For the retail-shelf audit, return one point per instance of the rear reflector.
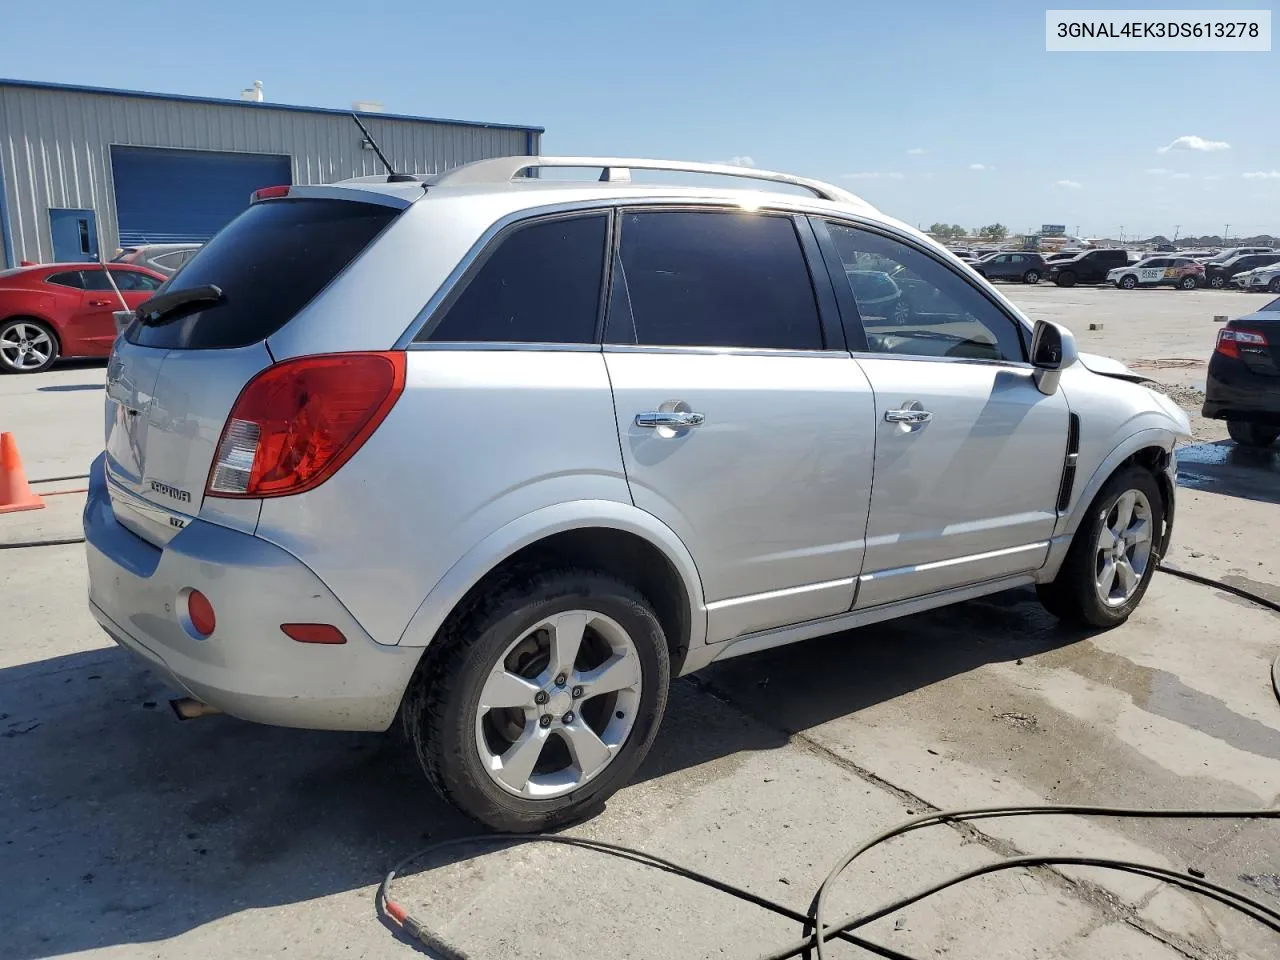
(297, 422)
(269, 193)
(200, 613)
(1231, 340)
(313, 632)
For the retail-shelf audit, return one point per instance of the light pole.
(1224, 234)
(1176, 228)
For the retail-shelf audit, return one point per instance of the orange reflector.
(200, 611)
(313, 632)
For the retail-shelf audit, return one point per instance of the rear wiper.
(169, 306)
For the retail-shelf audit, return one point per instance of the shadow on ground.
(120, 825)
(1228, 468)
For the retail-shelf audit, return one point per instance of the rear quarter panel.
(479, 439)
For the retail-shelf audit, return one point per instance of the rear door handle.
(908, 416)
(677, 419)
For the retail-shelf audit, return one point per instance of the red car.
(64, 309)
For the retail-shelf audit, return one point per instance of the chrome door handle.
(908, 416)
(677, 419)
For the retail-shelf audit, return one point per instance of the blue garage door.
(184, 196)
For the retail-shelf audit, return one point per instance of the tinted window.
(713, 279)
(131, 280)
(71, 279)
(1158, 262)
(935, 312)
(269, 263)
(540, 285)
(171, 260)
(95, 279)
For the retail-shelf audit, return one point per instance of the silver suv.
(501, 455)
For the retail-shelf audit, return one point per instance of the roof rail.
(618, 169)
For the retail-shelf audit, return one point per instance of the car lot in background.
(1180, 272)
(1243, 385)
(1259, 280)
(1026, 267)
(164, 258)
(64, 310)
(1219, 273)
(1091, 266)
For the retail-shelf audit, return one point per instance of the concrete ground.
(126, 834)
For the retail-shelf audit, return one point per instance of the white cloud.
(1213, 176)
(1158, 171)
(1192, 142)
(1069, 184)
(1263, 175)
(1179, 176)
(874, 175)
(980, 166)
(915, 151)
(743, 161)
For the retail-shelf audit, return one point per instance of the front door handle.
(99, 303)
(908, 415)
(676, 419)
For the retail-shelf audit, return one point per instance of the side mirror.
(1053, 349)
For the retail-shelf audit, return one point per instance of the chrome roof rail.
(618, 169)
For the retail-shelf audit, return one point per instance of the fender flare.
(544, 522)
(1149, 437)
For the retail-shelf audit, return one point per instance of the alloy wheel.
(558, 705)
(25, 346)
(1123, 549)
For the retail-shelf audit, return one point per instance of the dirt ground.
(125, 834)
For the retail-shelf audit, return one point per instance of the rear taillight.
(297, 422)
(1230, 341)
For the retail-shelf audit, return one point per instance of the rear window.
(269, 263)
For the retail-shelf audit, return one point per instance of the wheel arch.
(616, 538)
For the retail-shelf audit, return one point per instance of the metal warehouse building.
(85, 169)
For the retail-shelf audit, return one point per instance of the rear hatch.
(173, 378)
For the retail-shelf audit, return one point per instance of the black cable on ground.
(843, 929)
(22, 544)
(1219, 585)
(74, 476)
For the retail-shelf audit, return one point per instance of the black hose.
(22, 544)
(1219, 585)
(74, 476)
(843, 929)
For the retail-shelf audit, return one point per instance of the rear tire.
(1249, 434)
(591, 745)
(1188, 283)
(1081, 594)
(1031, 276)
(1274, 286)
(1066, 279)
(27, 345)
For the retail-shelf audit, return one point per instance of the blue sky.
(839, 90)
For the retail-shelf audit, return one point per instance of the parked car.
(1060, 255)
(1181, 272)
(164, 258)
(1220, 275)
(64, 310)
(1092, 266)
(1226, 255)
(1197, 254)
(1022, 267)
(1259, 279)
(497, 506)
(1244, 378)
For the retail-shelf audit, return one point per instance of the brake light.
(1229, 341)
(297, 422)
(269, 193)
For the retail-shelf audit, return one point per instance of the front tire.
(1249, 434)
(1066, 279)
(1128, 281)
(27, 346)
(540, 699)
(1112, 556)
(1031, 276)
(1217, 281)
(1274, 285)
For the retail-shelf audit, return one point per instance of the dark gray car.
(1024, 267)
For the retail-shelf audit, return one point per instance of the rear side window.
(70, 279)
(269, 263)
(711, 279)
(541, 284)
(133, 280)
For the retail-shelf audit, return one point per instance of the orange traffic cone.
(15, 494)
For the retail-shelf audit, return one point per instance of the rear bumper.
(1233, 391)
(247, 667)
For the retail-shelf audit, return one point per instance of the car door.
(999, 269)
(745, 425)
(969, 453)
(94, 322)
(1153, 271)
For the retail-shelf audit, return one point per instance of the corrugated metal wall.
(55, 148)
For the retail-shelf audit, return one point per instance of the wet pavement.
(1233, 470)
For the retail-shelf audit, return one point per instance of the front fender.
(538, 525)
